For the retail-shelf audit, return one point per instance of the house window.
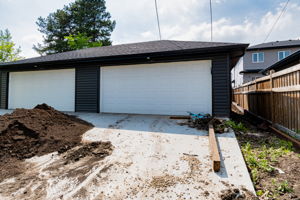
(283, 54)
(258, 57)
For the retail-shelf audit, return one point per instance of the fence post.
(255, 110)
(272, 97)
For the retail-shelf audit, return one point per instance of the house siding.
(87, 89)
(87, 85)
(221, 86)
(3, 89)
(271, 57)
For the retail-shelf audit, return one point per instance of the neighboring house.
(285, 63)
(158, 77)
(261, 56)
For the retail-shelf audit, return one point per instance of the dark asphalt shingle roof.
(125, 49)
(276, 44)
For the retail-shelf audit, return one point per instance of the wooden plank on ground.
(214, 150)
(238, 109)
(295, 141)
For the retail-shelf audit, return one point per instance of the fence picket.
(275, 97)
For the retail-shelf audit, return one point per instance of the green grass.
(236, 126)
(260, 156)
(278, 189)
(256, 161)
(284, 187)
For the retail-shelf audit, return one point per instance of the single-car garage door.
(54, 87)
(164, 88)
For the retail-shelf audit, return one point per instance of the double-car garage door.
(164, 88)
(167, 89)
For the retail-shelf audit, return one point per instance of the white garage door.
(54, 87)
(164, 88)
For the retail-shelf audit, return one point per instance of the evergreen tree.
(87, 18)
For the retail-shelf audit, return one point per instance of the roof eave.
(274, 47)
(219, 49)
(250, 71)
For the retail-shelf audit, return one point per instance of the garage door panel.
(54, 87)
(165, 88)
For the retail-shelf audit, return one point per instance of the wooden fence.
(275, 97)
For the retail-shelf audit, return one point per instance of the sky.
(245, 21)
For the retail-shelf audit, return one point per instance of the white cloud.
(28, 41)
(178, 23)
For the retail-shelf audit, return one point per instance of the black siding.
(221, 86)
(3, 89)
(87, 89)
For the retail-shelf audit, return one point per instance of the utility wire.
(282, 12)
(157, 18)
(211, 22)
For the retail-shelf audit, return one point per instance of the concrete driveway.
(153, 158)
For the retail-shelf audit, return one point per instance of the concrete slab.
(154, 158)
(3, 111)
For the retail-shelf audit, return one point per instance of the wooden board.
(214, 150)
(295, 141)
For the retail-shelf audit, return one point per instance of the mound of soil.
(203, 123)
(29, 132)
(231, 194)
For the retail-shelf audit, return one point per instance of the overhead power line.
(211, 22)
(157, 18)
(282, 12)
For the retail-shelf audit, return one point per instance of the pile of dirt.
(203, 123)
(98, 150)
(231, 194)
(29, 132)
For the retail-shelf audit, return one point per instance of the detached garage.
(158, 77)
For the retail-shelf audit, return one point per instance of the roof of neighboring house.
(250, 71)
(160, 47)
(275, 45)
(284, 63)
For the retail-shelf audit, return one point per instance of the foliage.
(81, 41)
(260, 156)
(284, 187)
(87, 17)
(255, 162)
(236, 126)
(260, 159)
(8, 50)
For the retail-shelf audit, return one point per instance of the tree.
(81, 41)
(86, 17)
(8, 51)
